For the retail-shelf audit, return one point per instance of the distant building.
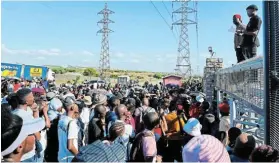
(172, 80)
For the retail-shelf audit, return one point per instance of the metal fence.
(244, 87)
(271, 67)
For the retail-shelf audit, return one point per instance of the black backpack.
(136, 152)
(51, 152)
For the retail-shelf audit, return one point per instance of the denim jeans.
(32, 159)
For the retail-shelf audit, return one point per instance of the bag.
(142, 114)
(100, 152)
(136, 152)
(51, 152)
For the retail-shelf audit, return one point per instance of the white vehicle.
(123, 80)
(50, 75)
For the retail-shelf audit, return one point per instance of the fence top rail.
(253, 63)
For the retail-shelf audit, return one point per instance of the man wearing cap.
(238, 37)
(68, 132)
(17, 135)
(250, 37)
(225, 123)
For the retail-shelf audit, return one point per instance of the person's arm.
(72, 134)
(71, 147)
(45, 110)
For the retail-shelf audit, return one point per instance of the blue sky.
(64, 33)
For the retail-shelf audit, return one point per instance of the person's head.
(264, 153)
(166, 103)
(145, 101)
(244, 145)
(121, 111)
(151, 120)
(71, 107)
(100, 111)
(17, 134)
(116, 130)
(224, 108)
(115, 101)
(205, 148)
(100, 99)
(235, 18)
(252, 10)
(25, 97)
(193, 127)
(130, 103)
(233, 133)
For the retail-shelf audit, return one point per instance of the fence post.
(232, 111)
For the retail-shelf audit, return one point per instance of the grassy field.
(72, 73)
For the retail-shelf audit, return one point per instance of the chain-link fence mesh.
(272, 57)
(243, 84)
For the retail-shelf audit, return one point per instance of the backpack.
(136, 152)
(140, 125)
(51, 152)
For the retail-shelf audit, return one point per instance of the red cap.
(237, 16)
(224, 107)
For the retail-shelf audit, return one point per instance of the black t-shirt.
(253, 25)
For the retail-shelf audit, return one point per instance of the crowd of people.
(100, 123)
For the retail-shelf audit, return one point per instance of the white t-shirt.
(224, 124)
(84, 115)
(25, 115)
(64, 155)
(43, 141)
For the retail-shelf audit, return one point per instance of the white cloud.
(48, 52)
(40, 58)
(134, 61)
(119, 55)
(86, 61)
(85, 52)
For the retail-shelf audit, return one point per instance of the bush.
(90, 72)
(158, 76)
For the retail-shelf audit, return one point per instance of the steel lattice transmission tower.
(104, 64)
(183, 65)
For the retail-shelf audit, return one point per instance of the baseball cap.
(224, 107)
(68, 101)
(193, 127)
(253, 7)
(50, 95)
(28, 127)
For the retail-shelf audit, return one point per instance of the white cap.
(200, 99)
(29, 126)
(193, 127)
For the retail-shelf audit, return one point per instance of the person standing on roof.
(250, 37)
(238, 37)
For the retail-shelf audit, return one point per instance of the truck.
(123, 80)
(27, 72)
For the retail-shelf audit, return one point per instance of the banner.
(10, 70)
(31, 72)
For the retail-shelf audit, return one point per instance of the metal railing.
(244, 85)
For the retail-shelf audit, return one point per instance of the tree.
(90, 72)
(158, 76)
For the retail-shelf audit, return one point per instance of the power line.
(167, 8)
(164, 20)
(160, 14)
